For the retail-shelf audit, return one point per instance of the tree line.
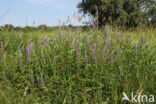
(129, 13)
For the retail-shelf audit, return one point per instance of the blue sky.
(22, 12)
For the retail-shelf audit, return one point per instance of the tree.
(129, 13)
(8, 27)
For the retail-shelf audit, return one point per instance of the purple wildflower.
(135, 48)
(86, 58)
(105, 31)
(47, 41)
(41, 79)
(112, 56)
(28, 54)
(30, 47)
(106, 47)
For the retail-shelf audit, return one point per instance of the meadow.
(72, 66)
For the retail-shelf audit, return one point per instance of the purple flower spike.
(118, 37)
(30, 47)
(106, 47)
(47, 41)
(112, 56)
(41, 79)
(86, 58)
(32, 79)
(135, 48)
(105, 31)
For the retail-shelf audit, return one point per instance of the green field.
(67, 66)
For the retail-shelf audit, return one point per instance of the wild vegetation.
(71, 66)
(112, 55)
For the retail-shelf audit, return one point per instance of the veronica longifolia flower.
(106, 47)
(41, 79)
(30, 47)
(46, 41)
(28, 54)
(112, 56)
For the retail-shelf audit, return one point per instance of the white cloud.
(58, 4)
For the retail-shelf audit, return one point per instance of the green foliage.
(130, 13)
(67, 79)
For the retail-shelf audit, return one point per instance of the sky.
(37, 12)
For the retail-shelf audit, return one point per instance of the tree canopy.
(129, 13)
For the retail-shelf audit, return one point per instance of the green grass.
(67, 79)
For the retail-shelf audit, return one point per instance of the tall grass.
(76, 67)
